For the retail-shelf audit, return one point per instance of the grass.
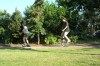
(50, 57)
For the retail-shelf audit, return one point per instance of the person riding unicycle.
(65, 30)
(25, 36)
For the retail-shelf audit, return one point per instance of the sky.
(10, 5)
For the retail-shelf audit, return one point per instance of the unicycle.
(64, 42)
(25, 44)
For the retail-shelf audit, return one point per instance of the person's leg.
(62, 38)
(24, 42)
(27, 41)
(23, 39)
(62, 35)
(65, 35)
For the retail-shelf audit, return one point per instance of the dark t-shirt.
(64, 25)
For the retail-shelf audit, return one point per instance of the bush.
(74, 39)
(51, 39)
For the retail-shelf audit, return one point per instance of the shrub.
(74, 39)
(51, 39)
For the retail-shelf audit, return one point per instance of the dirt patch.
(34, 46)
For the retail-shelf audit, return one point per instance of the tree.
(4, 23)
(52, 22)
(89, 11)
(35, 17)
(15, 25)
(71, 12)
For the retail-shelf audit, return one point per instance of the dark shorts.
(26, 35)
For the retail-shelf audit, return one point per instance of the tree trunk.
(38, 38)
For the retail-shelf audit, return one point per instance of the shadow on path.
(20, 48)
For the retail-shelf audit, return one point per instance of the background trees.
(34, 15)
(15, 26)
(4, 23)
(82, 15)
(44, 20)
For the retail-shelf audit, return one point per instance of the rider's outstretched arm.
(64, 28)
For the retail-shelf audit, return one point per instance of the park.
(58, 33)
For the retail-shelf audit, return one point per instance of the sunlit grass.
(50, 57)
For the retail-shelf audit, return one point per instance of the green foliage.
(51, 39)
(35, 16)
(52, 18)
(15, 26)
(4, 23)
(2, 30)
(82, 15)
(74, 39)
(44, 18)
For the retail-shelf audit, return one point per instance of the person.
(25, 36)
(65, 30)
(97, 34)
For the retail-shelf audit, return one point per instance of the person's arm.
(66, 26)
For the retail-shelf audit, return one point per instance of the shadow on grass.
(21, 48)
(84, 51)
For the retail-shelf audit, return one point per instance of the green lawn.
(50, 57)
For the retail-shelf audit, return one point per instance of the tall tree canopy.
(44, 20)
(35, 17)
(4, 23)
(15, 25)
(82, 12)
